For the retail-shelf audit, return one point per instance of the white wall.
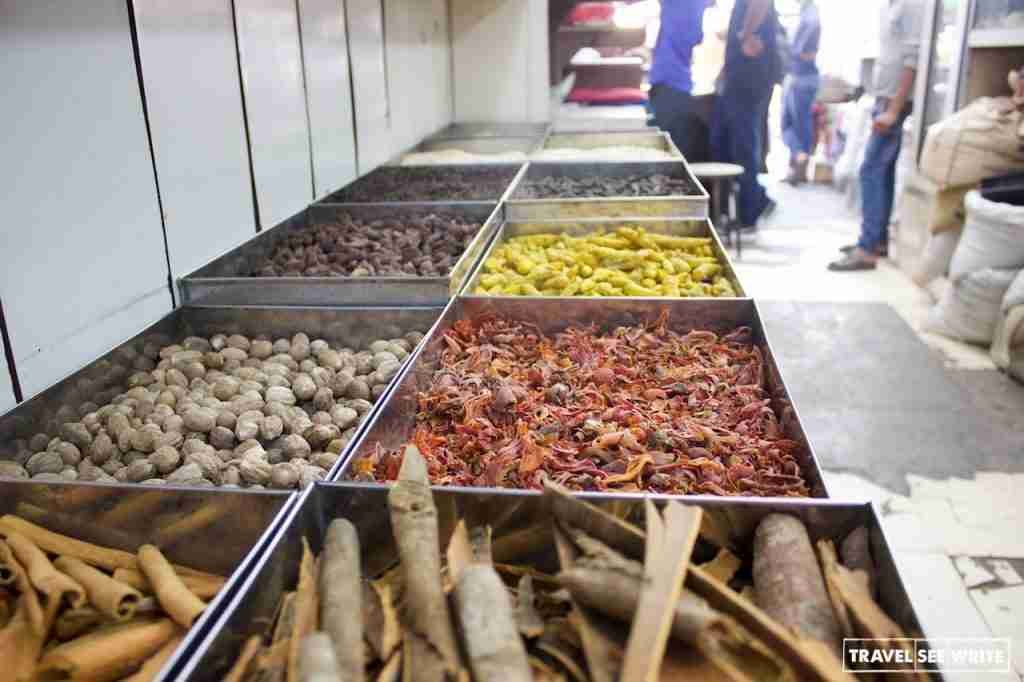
(83, 254)
(275, 100)
(84, 260)
(365, 20)
(6, 389)
(419, 70)
(197, 125)
(500, 53)
(328, 93)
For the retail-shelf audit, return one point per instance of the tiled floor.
(957, 540)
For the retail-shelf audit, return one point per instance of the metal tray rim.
(466, 262)
(816, 479)
(670, 145)
(326, 200)
(474, 277)
(866, 511)
(237, 587)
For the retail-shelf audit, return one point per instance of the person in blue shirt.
(748, 78)
(800, 91)
(682, 29)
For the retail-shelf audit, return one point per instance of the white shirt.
(900, 44)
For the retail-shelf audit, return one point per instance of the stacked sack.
(987, 289)
(1008, 344)
(982, 140)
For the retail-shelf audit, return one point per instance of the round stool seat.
(716, 170)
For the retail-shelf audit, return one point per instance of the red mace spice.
(639, 409)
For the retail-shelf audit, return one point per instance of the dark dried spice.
(425, 245)
(639, 408)
(447, 183)
(555, 187)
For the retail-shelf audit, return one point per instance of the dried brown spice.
(639, 185)
(643, 408)
(428, 183)
(425, 245)
(581, 621)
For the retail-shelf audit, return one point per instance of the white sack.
(935, 259)
(993, 237)
(969, 310)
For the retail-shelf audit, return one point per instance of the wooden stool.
(722, 178)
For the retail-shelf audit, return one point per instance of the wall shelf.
(996, 37)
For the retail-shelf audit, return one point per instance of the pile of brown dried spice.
(641, 408)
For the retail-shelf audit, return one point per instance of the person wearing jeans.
(893, 84)
(800, 91)
(682, 28)
(748, 79)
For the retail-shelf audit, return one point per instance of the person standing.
(682, 29)
(748, 79)
(800, 90)
(893, 85)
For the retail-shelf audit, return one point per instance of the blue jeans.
(798, 115)
(673, 113)
(736, 138)
(878, 181)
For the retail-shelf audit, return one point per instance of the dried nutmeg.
(558, 393)
(504, 398)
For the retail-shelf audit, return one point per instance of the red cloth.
(591, 13)
(607, 96)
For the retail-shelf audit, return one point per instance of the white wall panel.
(328, 93)
(419, 69)
(198, 129)
(365, 20)
(268, 40)
(6, 388)
(81, 237)
(500, 60)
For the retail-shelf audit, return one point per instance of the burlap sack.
(983, 139)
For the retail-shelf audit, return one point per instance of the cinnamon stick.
(492, 641)
(788, 582)
(177, 600)
(108, 654)
(155, 663)
(203, 586)
(53, 584)
(114, 599)
(341, 598)
(305, 611)
(249, 650)
(430, 649)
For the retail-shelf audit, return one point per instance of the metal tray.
(651, 140)
(223, 281)
(512, 170)
(101, 380)
(595, 208)
(602, 125)
(468, 129)
(681, 228)
(254, 605)
(394, 420)
(475, 145)
(184, 523)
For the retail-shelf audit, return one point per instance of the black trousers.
(674, 113)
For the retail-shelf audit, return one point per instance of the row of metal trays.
(251, 544)
(598, 147)
(165, 439)
(58, 431)
(235, 278)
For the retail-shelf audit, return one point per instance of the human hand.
(884, 122)
(752, 46)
